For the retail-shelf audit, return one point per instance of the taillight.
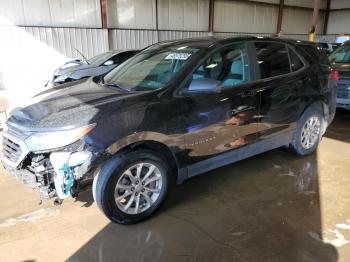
(335, 75)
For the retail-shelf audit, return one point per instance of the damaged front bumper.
(57, 173)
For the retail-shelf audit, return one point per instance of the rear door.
(281, 76)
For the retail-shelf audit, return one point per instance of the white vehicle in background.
(98, 65)
(340, 60)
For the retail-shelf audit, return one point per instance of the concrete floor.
(272, 207)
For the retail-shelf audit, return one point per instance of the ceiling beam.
(103, 4)
(211, 16)
(326, 18)
(280, 16)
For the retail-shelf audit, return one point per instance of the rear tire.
(308, 133)
(130, 187)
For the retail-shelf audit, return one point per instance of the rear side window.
(273, 59)
(295, 62)
(313, 52)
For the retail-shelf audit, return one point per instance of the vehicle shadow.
(340, 127)
(266, 208)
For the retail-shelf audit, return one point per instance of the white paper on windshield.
(178, 56)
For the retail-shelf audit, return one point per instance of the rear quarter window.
(314, 53)
(272, 58)
(295, 62)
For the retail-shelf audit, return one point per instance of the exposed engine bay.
(59, 174)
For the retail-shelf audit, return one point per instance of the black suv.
(175, 110)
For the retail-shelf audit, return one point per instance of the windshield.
(151, 69)
(98, 59)
(341, 55)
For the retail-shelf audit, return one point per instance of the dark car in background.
(96, 66)
(175, 110)
(340, 60)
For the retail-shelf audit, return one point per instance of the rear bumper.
(343, 93)
(343, 103)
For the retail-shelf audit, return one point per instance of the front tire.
(308, 133)
(130, 187)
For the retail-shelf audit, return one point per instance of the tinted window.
(273, 59)
(229, 66)
(295, 61)
(120, 58)
(342, 55)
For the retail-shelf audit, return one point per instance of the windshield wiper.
(115, 85)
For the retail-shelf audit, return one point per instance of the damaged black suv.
(175, 110)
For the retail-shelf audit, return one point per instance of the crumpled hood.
(72, 67)
(69, 106)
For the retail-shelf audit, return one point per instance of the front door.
(223, 119)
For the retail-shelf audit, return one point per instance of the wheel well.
(162, 151)
(322, 106)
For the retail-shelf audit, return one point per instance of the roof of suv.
(212, 40)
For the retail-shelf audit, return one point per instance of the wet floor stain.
(30, 217)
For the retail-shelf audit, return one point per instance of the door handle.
(249, 93)
(253, 92)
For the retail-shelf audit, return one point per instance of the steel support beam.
(103, 4)
(280, 16)
(211, 17)
(326, 18)
(157, 26)
(315, 15)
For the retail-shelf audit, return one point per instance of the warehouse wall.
(37, 36)
(51, 13)
(298, 21)
(135, 14)
(244, 17)
(339, 19)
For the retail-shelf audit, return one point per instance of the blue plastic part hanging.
(68, 178)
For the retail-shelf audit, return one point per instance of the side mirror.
(108, 63)
(205, 85)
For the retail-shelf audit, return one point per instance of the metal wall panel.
(224, 34)
(136, 14)
(89, 41)
(121, 39)
(244, 17)
(339, 22)
(305, 3)
(298, 21)
(191, 15)
(173, 35)
(51, 13)
(338, 4)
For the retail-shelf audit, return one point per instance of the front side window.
(341, 55)
(151, 69)
(228, 66)
(273, 59)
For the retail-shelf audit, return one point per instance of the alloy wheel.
(138, 188)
